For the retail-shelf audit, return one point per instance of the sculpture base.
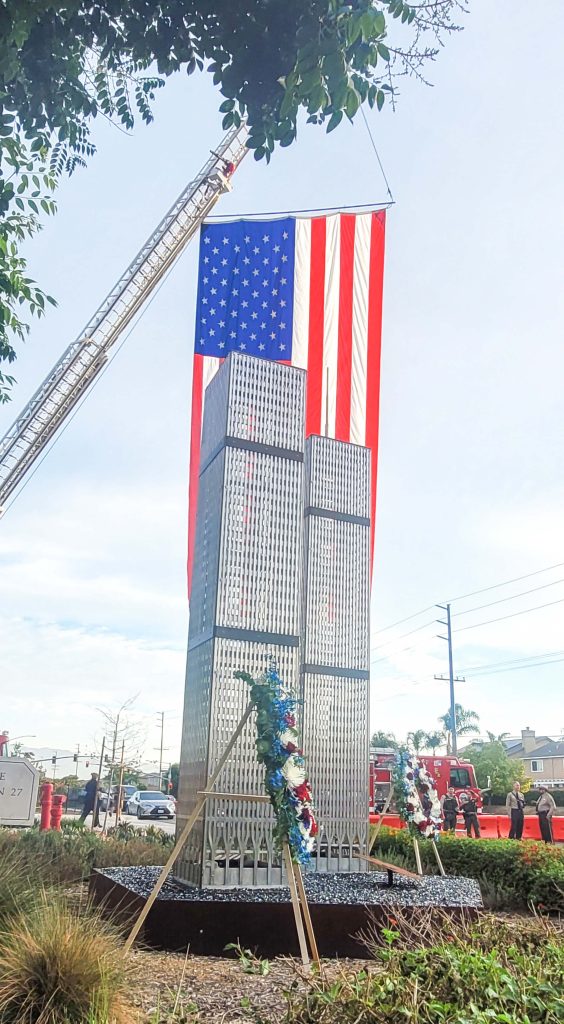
(207, 920)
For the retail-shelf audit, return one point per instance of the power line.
(514, 661)
(407, 619)
(512, 597)
(524, 611)
(517, 579)
(517, 668)
(395, 639)
(474, 593)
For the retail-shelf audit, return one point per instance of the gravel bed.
(338, 889)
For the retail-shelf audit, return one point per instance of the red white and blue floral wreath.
(416, 796)
(285, 777)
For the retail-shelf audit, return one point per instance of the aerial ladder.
(86, 357)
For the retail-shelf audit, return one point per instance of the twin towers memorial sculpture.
(281, 576)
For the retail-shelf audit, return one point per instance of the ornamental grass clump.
(61, 967)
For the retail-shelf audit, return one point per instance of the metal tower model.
(245, 606)
(335, 646)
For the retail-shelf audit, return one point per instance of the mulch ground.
(208, 989)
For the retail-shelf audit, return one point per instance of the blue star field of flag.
(246, 289)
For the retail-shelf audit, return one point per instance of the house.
(542, 757)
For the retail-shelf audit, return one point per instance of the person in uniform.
(515, 805)
(90, 800)
(545, 808)
(469, 809)
(450, 808)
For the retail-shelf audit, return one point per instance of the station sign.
(19, 783)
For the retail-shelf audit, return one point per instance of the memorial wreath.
(416, 797)
(285, 777)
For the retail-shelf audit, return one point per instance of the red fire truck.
(446, 771)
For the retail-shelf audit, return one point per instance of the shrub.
(516, 875)
(18, 882)
(475, 975)
(70, 855)
(60, 968)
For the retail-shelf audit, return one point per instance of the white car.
(150, 804)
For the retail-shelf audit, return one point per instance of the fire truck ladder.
(79, 366)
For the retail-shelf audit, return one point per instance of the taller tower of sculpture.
(245, 606)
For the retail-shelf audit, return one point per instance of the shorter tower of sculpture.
(335, 646)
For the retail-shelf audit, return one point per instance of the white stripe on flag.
(302, 266)
(211, 366)
(361, 283)
(331, 333)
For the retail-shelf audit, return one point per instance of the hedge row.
(531, 797)
(512, 875)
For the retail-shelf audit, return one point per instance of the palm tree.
(384, 739)
(492, 738)
(434, 740)
(466, 722)
(417, 740)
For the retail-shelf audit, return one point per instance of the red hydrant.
(46, 801)
(57, 811)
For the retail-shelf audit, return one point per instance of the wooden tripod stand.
(300, 905)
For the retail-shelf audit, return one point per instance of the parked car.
(102, 800)
(151, 804)
(127, 791)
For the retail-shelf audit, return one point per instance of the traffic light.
(87, 763)
(75, 758)
(54, 759)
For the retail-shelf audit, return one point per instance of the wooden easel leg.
(296, 905)
(438, 858)
(417, 857)
(180, 843)
(307, 915)
(379, 825)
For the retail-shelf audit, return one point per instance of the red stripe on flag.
(344, 354)
(376, 286)
(316, 326)
(195, 441)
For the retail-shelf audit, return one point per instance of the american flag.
(306, 291)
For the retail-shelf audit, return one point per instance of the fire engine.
(446, 770)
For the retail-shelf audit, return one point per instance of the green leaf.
(380, 98)
(383, 51)
(334, 120)
(352, 103)
(226, 106)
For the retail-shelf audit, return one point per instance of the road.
(167, 826)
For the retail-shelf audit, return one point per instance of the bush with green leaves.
(483, 972)
(511, 874)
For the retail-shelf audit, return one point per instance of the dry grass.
(60, 967)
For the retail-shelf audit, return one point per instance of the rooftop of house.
(554, 748)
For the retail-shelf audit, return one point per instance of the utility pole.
(451, 678)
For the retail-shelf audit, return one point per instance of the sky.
(93, 606)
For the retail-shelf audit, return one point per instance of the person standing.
(90, 800)
(469, 809)
(515, 805)
(450, 809)
(545, 808)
